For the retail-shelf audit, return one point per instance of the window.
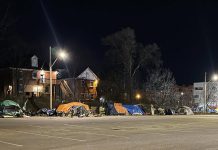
(42, 78)
(196, 96)
(198, 88)
(47, 89)
(83, 82)
(91, 84)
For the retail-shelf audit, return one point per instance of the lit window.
(91, 84)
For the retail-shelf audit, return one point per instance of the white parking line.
(85, 127)
(111, 135)
(45, 135)
(11, 143)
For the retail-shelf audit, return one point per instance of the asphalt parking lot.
(114, 132)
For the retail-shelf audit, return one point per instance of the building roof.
(88, 74)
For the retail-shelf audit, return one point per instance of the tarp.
(7, 103)
(134, 110)
(185, 110)
(66, 107)
(120, 109)
(11, 108)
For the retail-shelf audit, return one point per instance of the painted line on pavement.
(45, 135)
(18, 145)
(111, 135)
(106, 129)
(85, 127)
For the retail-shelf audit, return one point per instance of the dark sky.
(186, 32)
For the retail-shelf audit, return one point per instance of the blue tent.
(134, 109)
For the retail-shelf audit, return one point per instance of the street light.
(214, 78)
(138, 96)
(61, 55)
(182, 93)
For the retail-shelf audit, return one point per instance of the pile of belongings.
(134, 109)
(46, 112)
(170, 111)
(73, 109)
(9, 108)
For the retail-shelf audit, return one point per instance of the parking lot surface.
(110, 133)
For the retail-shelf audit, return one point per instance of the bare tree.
(130, 55)
(160, 88)
(212, 95)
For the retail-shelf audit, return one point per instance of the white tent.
(185, 110)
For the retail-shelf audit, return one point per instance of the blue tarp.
(134, 109)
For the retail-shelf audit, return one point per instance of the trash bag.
(42, 111)
(51, 112)
(169, 111)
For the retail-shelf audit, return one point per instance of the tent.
(6, 103)
(120, 109)
(10, 108)
(185, 110)
(65, 108)
(134, 110)
(110, 109)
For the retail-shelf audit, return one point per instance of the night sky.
(186, 32)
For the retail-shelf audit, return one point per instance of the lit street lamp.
(138, 96)
(61, 55)
(214, 78)
(182, 93)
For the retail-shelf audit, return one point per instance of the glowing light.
(42, 72)
(37, 89)
(138, 96)
(62, 54)
(215, 77)
(96, 82)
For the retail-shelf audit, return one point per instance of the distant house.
(81, 88)
(35, 83)
(87, 83)
(27, 82)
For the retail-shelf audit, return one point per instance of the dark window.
(198, 88)
(196, 96)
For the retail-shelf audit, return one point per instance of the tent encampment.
(134, 110)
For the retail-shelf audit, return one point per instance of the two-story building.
(27, 82)
(211, 92)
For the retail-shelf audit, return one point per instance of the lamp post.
(205, 91)
(214, 78)
(61, 54)
(182, 93)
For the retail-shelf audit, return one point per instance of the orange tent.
(66, 107)
(120, 109)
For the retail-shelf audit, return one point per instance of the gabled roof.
(88, 74)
